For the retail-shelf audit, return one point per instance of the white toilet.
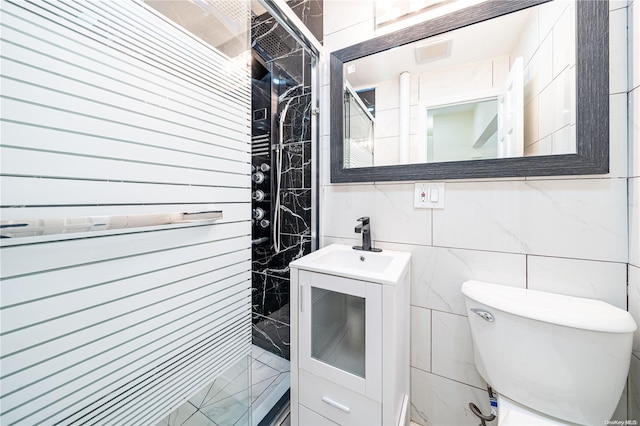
(553, 359)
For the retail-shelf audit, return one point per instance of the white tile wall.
(618, 51)
(634, 304)
(563, 39)
(618, 135)
(583, 278)
(572, 235)
(386, 151)
(634, 46)
(441, 401)
(345, 14)
(547, 217)
(387, 95)
(381, 202)
(387, 123)
(421, 338)
(452, 350)
(634, 389)
(634, 132)
(553, 12)
(634, 221)
(617, 4)
(438, 274)
(633, 20)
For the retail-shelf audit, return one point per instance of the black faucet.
(365, 229)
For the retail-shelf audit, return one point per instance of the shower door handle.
(17, 228)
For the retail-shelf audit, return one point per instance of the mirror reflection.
(500, 88)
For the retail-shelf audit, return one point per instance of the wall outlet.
(429, 195)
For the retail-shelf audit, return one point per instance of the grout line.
(431, 345)
(448, 378)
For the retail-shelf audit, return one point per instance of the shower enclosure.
(284, 145)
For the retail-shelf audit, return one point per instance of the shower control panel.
(261, 182)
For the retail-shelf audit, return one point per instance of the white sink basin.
(386, 267)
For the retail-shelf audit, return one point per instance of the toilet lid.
(511, 413)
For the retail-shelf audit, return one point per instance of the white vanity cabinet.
(350, 339)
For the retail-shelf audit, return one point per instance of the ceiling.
(489, 39)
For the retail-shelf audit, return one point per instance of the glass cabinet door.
(337, 330)
(340, 331)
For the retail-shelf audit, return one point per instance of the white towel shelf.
(34, 227)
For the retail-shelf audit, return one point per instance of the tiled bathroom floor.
(225, 401)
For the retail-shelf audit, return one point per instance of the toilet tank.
(566, 357)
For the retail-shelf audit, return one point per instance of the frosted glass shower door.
(340, 331)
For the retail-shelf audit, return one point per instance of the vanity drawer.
(311, 418)
(336, 403)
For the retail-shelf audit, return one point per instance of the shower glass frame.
(288, 21)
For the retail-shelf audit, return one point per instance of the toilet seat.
(510, 413)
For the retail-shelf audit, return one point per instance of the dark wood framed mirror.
(591, 100)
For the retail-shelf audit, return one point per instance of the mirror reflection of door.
(464, 130)
(461, 65)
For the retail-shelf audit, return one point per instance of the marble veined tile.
(576, 218)
(387, 123)
(279, 364)
(421, 338)
(438, 273)
(634, 127)
(272, 334)
(618, 149)
(634, 51)
(228, 396)
(564, 41)
(348, 36)
(228, 410)
(310, 12)
(634, 388)
(343, 205)
(179, 416)
(452, 351)
(551, 13)
(634, 220)
(390, 207)
(617, 4)
(436, 400)
(266, 397)
(634, 306)
(343, 14)
(618, 51)
(261, 372)
(606, 281)
(187, 415)
(397, 220)
(387, 96)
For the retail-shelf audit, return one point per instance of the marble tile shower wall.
(291, 69)
(310, 13)
(576, 235)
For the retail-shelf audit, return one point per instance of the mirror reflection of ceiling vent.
(433, 51)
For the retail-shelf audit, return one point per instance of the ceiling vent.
(433, 51)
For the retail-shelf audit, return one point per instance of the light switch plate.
(429, 195)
